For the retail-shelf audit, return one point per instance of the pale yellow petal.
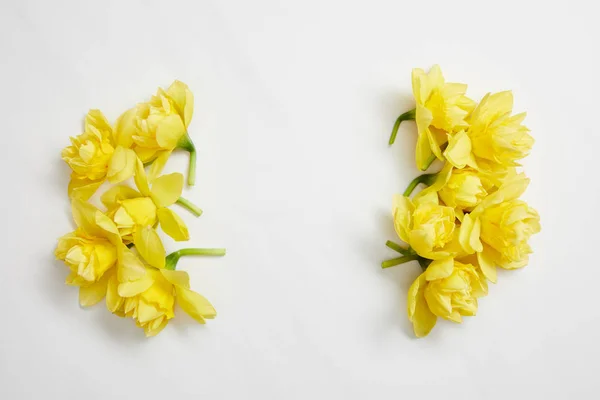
(113, 196)
(141, 181)
(458, 152)
(487, 264)
(113, 300)
(158, 164)
(169, 130)
(93, 293)
(121, 165)
(195, 304)
(125, 128)
(419, 314)
(173, 225)
(83, 188)
(166, 189)
(439, 269)
(149, 246)
(141, 210)
(402, 210)
(184, 100)
(177, 278)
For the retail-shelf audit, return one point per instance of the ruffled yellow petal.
(458, 152)
(469, 233)
(149, 246)
(172, 225)
(194, 304)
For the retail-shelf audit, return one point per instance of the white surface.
(294, 105)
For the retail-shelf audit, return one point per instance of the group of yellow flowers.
(117, 254)
(469, 220)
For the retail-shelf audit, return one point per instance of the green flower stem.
(397, 261)
(191, 207)
(186, 144)
(426, 179)
(172, 259)
(407, 116)
(432, 157)
(396, 247)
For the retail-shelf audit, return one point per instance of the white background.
(294, 106)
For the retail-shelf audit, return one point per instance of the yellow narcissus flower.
(499, 228)
(447, 289)
(160, 125)
(464, 189)
(441, 109)
(495, 140)
(96, 155)
(427, 226)
(131, 210)
(90, 251)
(153, 307)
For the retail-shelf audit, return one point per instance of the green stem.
(426, 179)
(407, 116)
(191, 207)
(172, 259)
(397, 261)
(186, 144)
(396, 247)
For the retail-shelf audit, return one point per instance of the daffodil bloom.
(153, 307)
(499, 228)
(97, 154)
(464, 189)
(134, 212)
(494, 141)
(90, 251)
(447, 289)
(160, 125)
(441, 109)
(427, 226)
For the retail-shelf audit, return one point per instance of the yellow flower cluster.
(117, 254)
(469, 220)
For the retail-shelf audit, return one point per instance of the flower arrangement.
(469, 219)
(116, 254)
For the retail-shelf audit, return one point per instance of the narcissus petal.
(149, 246)
(166, 189)
(177, 278)
(419, 314)
(169, 130)
(195, 304)
(121, 165)
(172, 225)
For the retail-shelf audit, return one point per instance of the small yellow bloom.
(447, 289)
(154, 307)
(158, 125)
(495, 140)
(499, 228)
(90, 251)
(441, 108)
(135, 213)
(464, 189)
(96, 155)
(427, 226)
